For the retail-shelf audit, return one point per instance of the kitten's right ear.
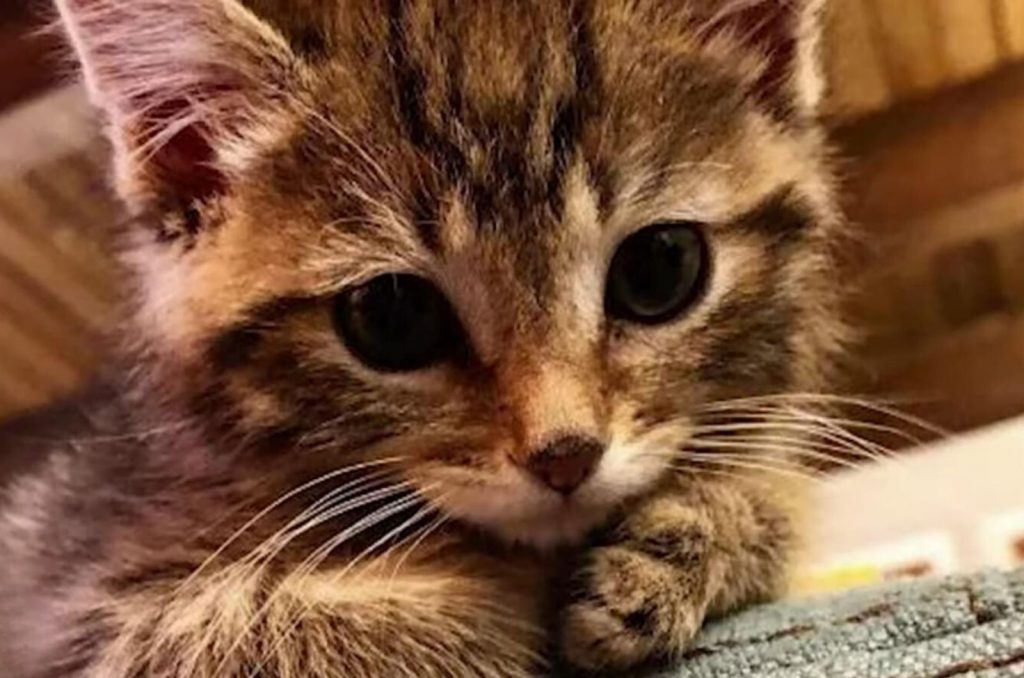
(785, 35)
(182, 83)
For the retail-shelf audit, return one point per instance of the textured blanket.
(965, 627)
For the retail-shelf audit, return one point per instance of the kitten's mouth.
(517, 508)
(529, 515)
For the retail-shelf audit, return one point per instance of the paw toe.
(616, 617)
(594, 638)
(628, 608)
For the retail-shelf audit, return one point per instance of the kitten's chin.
(521, 513)
(562, 527)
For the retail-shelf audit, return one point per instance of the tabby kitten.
(428, 292)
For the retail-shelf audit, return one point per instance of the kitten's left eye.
(397, 323)
(657, 273)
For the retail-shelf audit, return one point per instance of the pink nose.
(565, 463)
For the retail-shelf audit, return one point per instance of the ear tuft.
(178, 80)
(786, 35)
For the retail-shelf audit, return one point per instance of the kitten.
(428, 292)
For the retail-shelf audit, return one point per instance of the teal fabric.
(965, 627)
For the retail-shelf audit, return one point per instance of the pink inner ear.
(770, 28)
(184, 164)
(774, 30)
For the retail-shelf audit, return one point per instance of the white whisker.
(279, 502)
(836, 440)
(316, 559)
(829, 399)
(743, 462)
(771, 415)
(785, 447)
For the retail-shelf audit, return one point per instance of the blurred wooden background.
(927, 97)
(884, 51)
(927, 100)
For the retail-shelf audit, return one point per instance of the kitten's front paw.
(628, 608)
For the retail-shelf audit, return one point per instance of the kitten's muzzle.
(565, 463)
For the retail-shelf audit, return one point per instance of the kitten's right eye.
(657, 273)
(397, 323)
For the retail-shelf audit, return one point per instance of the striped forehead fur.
(501, 150)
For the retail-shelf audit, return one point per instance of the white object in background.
(951, 488)
(918, 555)
(1001, 540)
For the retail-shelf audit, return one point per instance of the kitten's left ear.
(182, 83)
(785, 35)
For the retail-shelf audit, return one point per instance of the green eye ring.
(397, 322)
(658, 273)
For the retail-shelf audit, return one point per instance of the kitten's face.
(515, 249)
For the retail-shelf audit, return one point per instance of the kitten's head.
(516, 246)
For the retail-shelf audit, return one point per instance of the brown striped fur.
(273, 153)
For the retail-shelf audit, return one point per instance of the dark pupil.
(657, 273)
(396, 322)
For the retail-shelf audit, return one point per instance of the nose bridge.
(547, 367)
(550, 394)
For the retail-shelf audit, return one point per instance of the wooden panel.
(27, 53)
(1011, 253)
(18, 11)
(856, 71)
(938, 194)
(43, 364)
(910, 42)
(43, 316)
(983, 216)
(967, 380)
(967, 34)
(884, 50)
(54, 267)
(1010, 22)
(929, 154)
(56, 283)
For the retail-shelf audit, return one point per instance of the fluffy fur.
(252, 500)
